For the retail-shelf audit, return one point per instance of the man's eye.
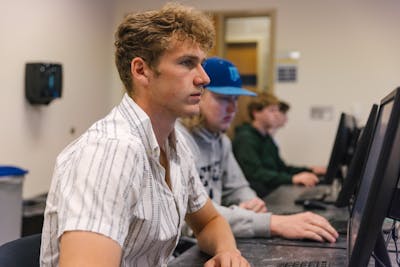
(188, 63)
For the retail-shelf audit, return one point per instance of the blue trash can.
(11, 180)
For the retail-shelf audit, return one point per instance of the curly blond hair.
(149, 34)
(193, 122)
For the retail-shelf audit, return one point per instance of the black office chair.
(22, 252)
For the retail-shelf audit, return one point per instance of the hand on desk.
(227, 259)
(303, 225)
(255, 204)
(318, 170)
(305, 178)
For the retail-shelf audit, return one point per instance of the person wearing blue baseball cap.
(222, 176)
(224, 78)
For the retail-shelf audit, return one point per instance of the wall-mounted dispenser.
(43, 82)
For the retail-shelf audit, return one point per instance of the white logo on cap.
(234, 74)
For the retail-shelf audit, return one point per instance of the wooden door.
(244, 56)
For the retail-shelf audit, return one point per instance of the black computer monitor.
(353, 175)
(343, 148)
(379, 180)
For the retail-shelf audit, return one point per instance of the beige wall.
(349, 59)
(77, 34)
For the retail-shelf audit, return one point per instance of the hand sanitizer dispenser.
(43, 82)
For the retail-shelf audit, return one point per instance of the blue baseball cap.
(225, 77)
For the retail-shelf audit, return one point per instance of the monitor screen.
(378, 181)
(343, 147)
(353, 175)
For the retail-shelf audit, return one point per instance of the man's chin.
(223, 129)
(191, 113)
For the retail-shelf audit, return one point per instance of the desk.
(269, 255)
(269, 252)
(266, 254)
(281, 201)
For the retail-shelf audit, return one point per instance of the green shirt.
(258, 156)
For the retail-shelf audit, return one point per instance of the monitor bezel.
(339, 153)
(353, 175)
(384, 180)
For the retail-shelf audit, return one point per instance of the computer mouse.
(310, 204)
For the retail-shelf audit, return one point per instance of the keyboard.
(314, 193)
(304, 264)
(339, 225)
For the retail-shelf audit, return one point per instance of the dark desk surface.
(270, 252)
(270, 255)
(266, 254)
(281, 201)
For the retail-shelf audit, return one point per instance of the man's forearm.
(216, 237)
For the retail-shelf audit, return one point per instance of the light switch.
(324, 113)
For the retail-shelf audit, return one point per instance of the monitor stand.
(335, 188)
(381, 253)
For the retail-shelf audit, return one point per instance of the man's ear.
(253, 114)
(139, 70)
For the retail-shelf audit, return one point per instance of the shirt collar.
(140, 122)
(206, 135)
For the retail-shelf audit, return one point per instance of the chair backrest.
(21, 252)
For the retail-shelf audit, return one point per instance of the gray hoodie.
(225, 182)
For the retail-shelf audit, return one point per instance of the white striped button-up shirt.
(110, 181)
